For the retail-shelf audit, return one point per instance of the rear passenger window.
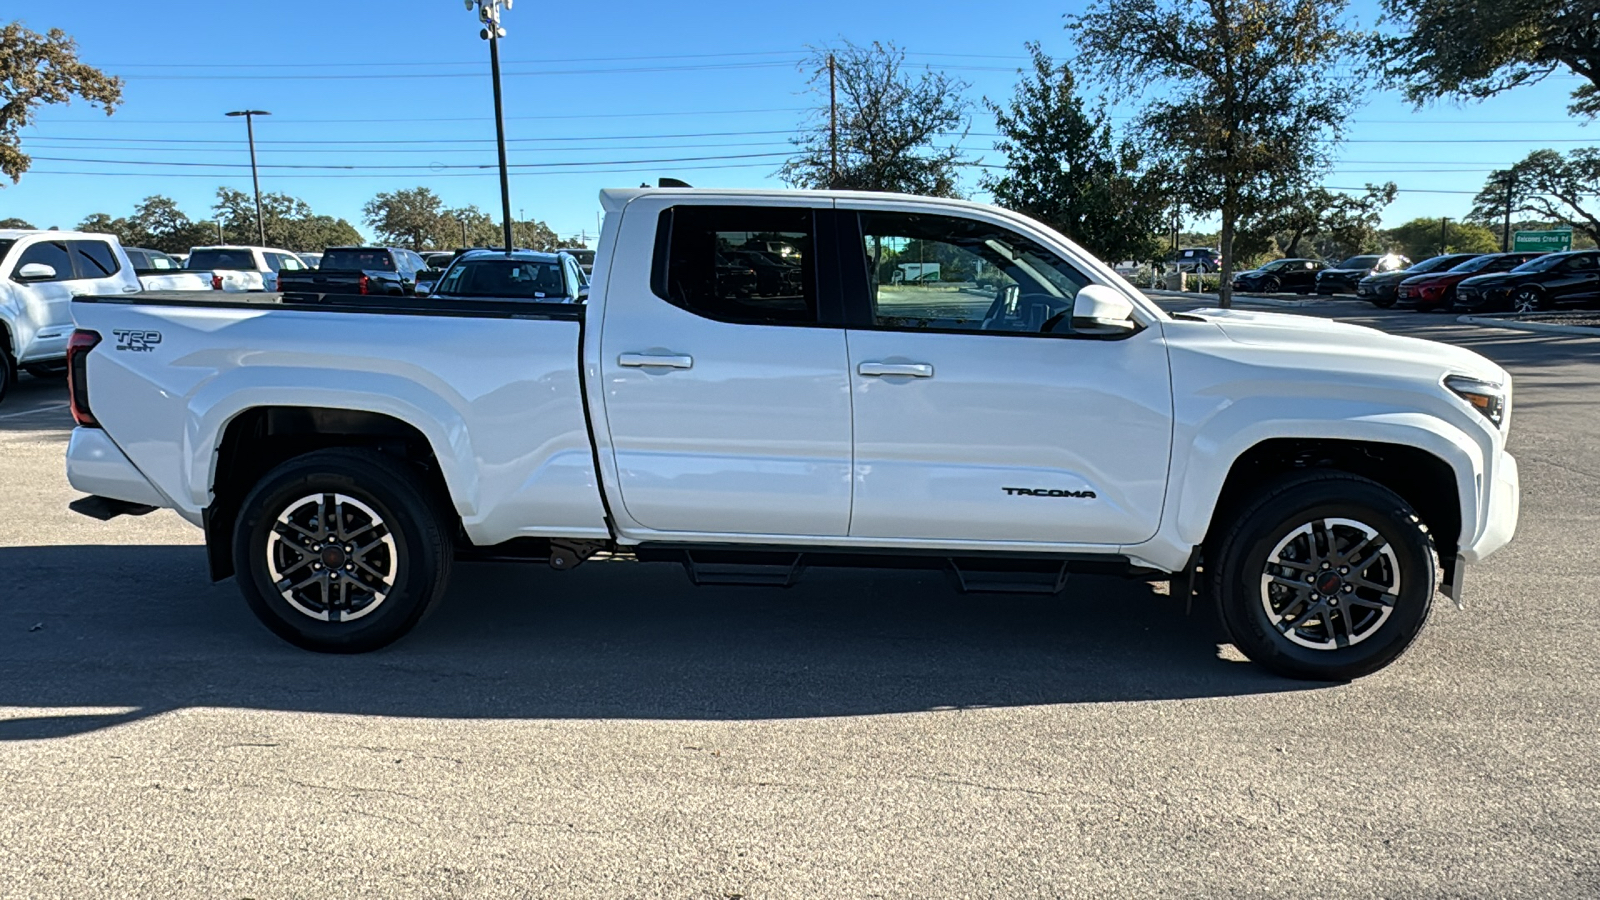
(94, 258)
(740, 264)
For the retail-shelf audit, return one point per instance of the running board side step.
(984, 577)
(749, 569)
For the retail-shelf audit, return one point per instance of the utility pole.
(833, 127)
(250, 132)
(463, 232)
(1444, 233)
(489, 15)
(1505, 232)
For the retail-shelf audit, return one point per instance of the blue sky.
(603, 91)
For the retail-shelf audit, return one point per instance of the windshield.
(1360, 262)
(355, 260)
(1479, 264)
(509, 279)
(1541, 263)
(237, 259)
(1437, 263)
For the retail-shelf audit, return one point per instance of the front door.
(980, 414)
(723, 364)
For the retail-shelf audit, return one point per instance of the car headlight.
(1486, 397)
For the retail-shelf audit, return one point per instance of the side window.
(743, 264)
(94, 259)
(51, 253)
(1582, 263)
(139, 258)
(289, 263)
(271, 261)
(931, 272)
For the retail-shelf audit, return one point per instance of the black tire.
(8, 368)
(1382, 302)
(1238, 572)
(416, 560)
(1271, 285)
(55, 370)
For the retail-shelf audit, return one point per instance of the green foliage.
(1549, 186)
(1318, 221)
(38, 69)
(1460, 49)
(289, 222)
(1064, 169)
(16, 223)
(888, 125)
(1419, 238)
(1244, 99)
(411, 218)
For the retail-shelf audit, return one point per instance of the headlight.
(1486, 397)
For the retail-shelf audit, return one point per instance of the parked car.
(1437, 290)
(1297, 275)
(384, 271)
(339, 457)
(583, 255)
(40, 272)
(237, 268)
(159, 272)
(1196, 259)
(1382, 289)
(524, 275)
(1343, 278)
(312, 260)
(1538, 284)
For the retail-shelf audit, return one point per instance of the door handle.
(650, 361)
(915, 370)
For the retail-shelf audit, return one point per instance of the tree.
(410, 217)
(1467, 49)
(16, 223)
(1549, 186)
(1420, 238)
(164, 227)
(888, 125)
(1348, 223)
(126, 230)
(40, 69)
(289, 221)
(534, 235)
(1251, 95)
(1064, 169)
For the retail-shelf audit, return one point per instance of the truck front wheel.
(1325, 576)
(339, 551)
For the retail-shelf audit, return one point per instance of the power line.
(325, 142)
(541, 73)
(485, 172)
(575, 59)
(390, 121)
(433, 167)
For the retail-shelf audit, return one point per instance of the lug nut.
(1343, 570)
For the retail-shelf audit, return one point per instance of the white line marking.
(29, 412)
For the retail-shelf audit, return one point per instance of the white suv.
(235, 268)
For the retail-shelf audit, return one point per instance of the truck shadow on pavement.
(122, 633)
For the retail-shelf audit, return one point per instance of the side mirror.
(583, 293)
(1101, 310)
(36, 272)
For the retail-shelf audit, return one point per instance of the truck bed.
(371, 304)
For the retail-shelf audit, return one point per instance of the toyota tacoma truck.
(1029, 417)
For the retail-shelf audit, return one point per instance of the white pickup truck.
(235, 268)
(1313, 479)
(40, 271)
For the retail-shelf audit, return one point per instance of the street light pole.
(255, 179)
(489, 15)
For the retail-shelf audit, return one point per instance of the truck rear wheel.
(8, 368)
(339, 551)
(1324, 576)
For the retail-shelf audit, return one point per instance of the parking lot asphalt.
(613, 732)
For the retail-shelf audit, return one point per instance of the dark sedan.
(1297, 275)
(1437, 290)
(1537, 284)
(1343, 278)
(1382, 288)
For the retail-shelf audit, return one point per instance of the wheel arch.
(257, 439)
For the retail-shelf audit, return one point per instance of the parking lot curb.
(1545, 327)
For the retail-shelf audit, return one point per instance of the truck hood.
(1318, 337)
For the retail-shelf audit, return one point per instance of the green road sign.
(1553, 241)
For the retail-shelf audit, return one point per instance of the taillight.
(78, 376)
(363, 284)
(216, 282)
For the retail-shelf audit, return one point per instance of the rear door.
(980, 415)
(1576, 279)
(726, 401)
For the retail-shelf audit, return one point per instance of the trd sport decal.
(137, 341)
(1048, 492)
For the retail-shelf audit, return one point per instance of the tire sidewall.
(8, 369)
(1246, 618)
(402, 510)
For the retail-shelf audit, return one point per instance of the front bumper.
(97, 466)
(1502, 506)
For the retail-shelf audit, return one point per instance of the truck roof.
(614, 199)
(11, 234)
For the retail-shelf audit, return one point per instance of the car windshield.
(235, 259)
(361, 259)
(1360, 262)
(1479, 264)
(1437, 263)
(1541, 263)
(510, 279)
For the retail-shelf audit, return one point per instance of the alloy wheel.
(1330, 583)
(332, 557)
(1525, 301)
